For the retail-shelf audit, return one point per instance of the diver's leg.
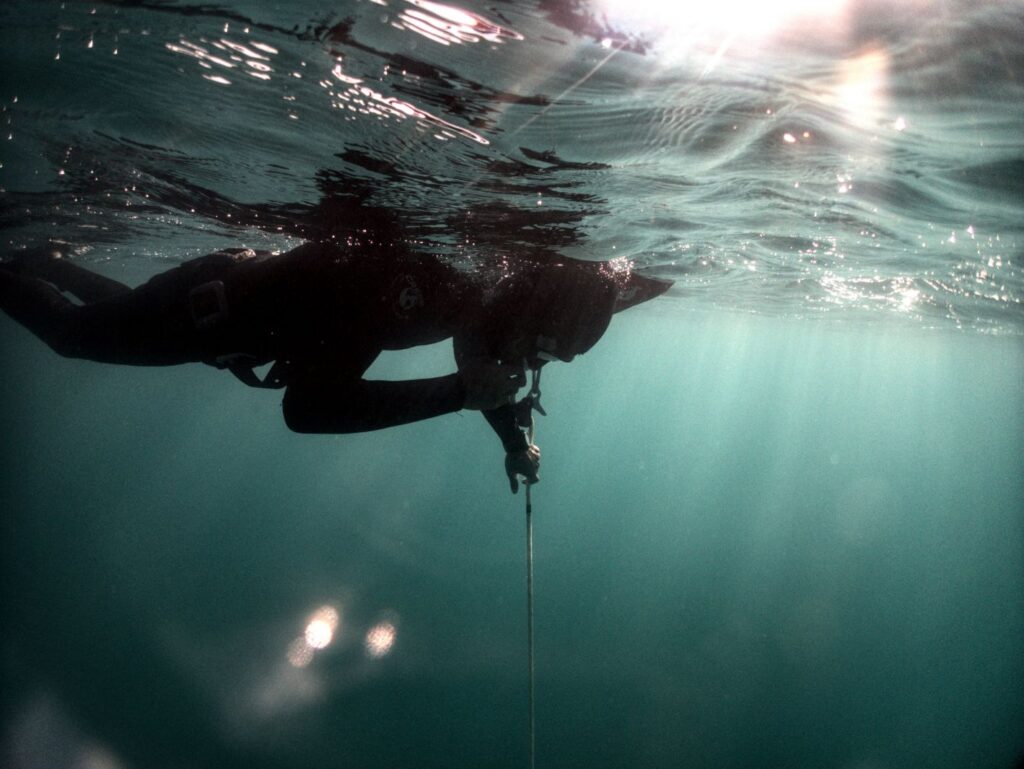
(139, 327)
(85, 284)
(53, 266)
(40, 308)
(151, 325)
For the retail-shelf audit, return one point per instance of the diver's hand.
(525, 463)
(490, 384)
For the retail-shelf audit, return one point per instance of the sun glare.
(321, 626)
(731, 18)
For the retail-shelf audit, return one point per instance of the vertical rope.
(529, 622)
(534, 394)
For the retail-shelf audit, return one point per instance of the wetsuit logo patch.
(409, 298)
(627, 295)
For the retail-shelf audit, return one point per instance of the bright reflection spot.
(320, 630)
(198, 52)
(364, 100)
(870, 293)
(264, 47)
(319, 633)
(685, 19)
(255, 55)
(862, 92)
(908, 298)
(379, 639)
(447, 24)
(338, 73)
(224, 43)
(900, 124)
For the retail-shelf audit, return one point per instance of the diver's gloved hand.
(525, 463)
(490, 384)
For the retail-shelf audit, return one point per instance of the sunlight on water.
(254, 63)
(367, 102)
(380, 639)
(681, 24)
(862, 93)
(716, 166)
(320, 632)
(321, 628)
(447, 24)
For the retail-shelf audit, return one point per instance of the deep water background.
(758, 543)
(781, 521)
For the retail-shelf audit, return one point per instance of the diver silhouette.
(320, 314)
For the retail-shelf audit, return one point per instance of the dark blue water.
(781, 521)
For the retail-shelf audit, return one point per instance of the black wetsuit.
(321, 314)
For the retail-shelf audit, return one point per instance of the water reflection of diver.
(321, 315)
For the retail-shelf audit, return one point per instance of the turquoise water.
(780, 521)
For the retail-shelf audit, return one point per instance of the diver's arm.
(503, 421)
(522, 458)
(495, 381)
(319, 400)
(360, 405)
(475, 362)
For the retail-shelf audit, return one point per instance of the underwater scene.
(779, 516)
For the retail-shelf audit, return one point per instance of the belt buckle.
(208, 304)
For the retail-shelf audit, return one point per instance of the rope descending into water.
(529, 621)
(533, 402)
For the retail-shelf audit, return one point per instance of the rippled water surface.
(780, 517)
(862, 161)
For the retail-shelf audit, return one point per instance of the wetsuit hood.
(560, 309)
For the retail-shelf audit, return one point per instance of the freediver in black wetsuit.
(321, 314)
